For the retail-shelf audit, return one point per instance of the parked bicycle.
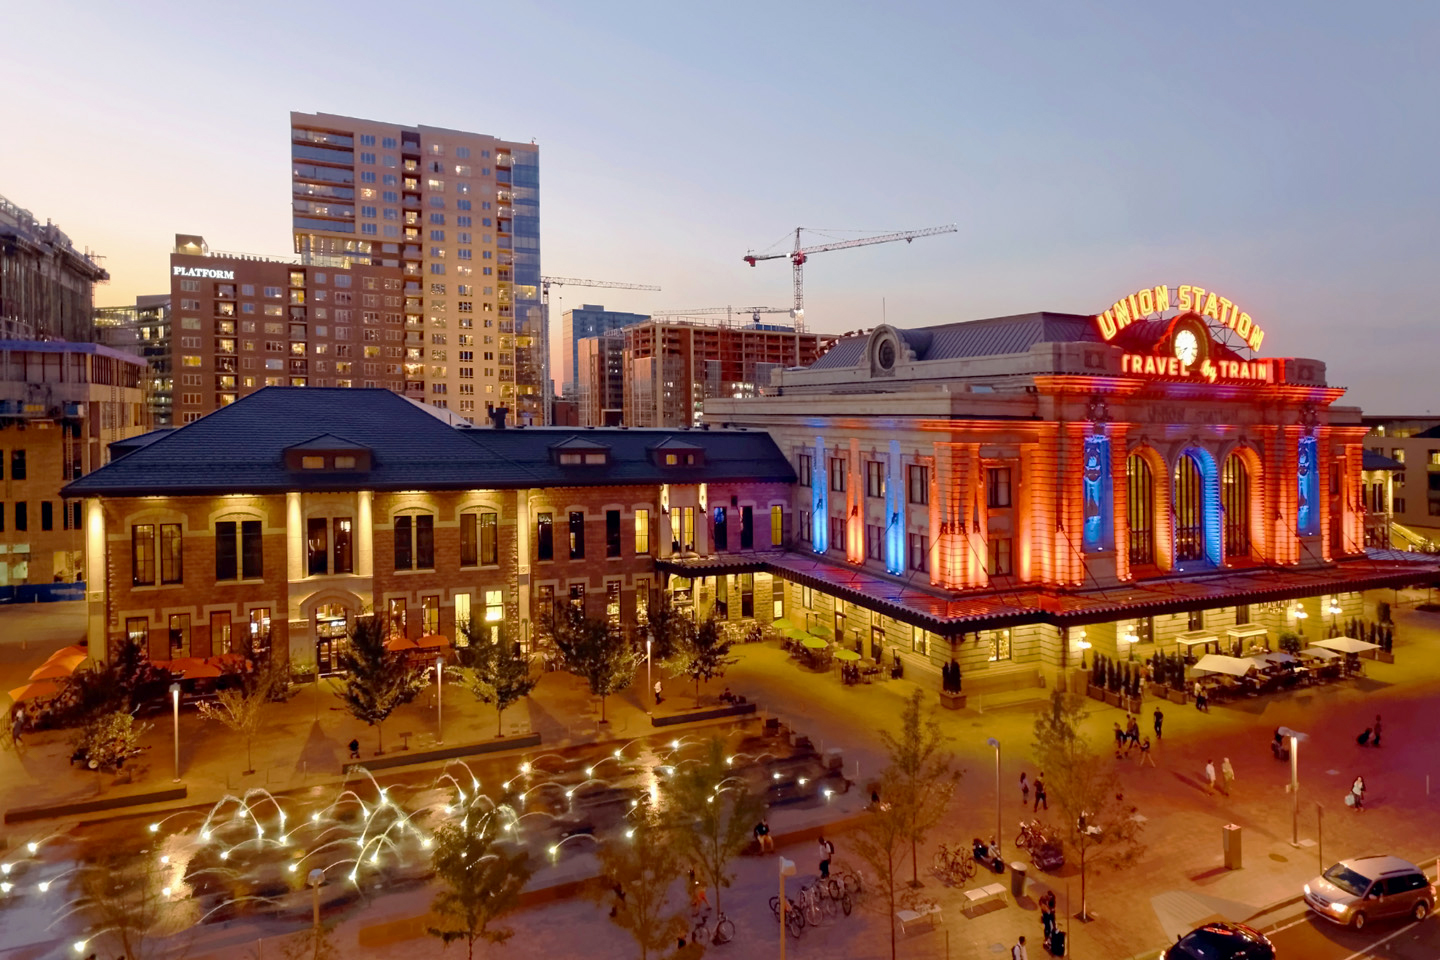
(843, 886)
(722, 932)
(1031, 834)
(815, 905)
(953, 866)
(794, 917)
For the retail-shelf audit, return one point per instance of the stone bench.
(994, 891)
(920, 912)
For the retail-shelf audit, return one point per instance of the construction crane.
(729, 312)
(799, 254)
(545, 284)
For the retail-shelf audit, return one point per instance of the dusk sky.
(1280, 153)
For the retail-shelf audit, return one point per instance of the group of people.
(988, 854)
(1128, 737)
(1226, 771)
(1040, 798)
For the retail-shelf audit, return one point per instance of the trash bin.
(1230, 843)
(1017, 879)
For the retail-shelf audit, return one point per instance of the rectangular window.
(997, 487)
(747, 528)
(612, 602)
(545, 610)
(17, 464)
(997, 558)
(919, 552)
(494, 607)
(777, 525)
(219, 633)
(999, 645)
(577, 535)
(777, 599)
(803, 469)
(397, 617)
(172, 566)
(260, 630)
(874, 478)
(873, 536)
(179, 635)
(747, 594)
(22, 516)
(344, 545)
(425, 542)
(462, 618)
(722, 530)
(1197, 620)
(317, 546)
(404, 557)
(919, 484)
(642, 532)
(1242, 614)
(837, 534)
(47, 515)
(252, 553)
(577, 595)
(227, 562)
(489, 539)
(612, 533)
(469, 539)
(642, 599)
(838, 466)
(137, 631)
(430, 615)
(142, 554)
(545, 536)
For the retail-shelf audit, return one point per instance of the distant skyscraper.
(459, 214)
(590, 320)
(47, 287)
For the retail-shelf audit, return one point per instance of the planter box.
(1133, 704)
(1177, 696)
(952, 701)
(1112, 698)
(1156, 690)
(1384, 657)
(1097, 693)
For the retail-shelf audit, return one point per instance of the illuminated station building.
(1017, 491)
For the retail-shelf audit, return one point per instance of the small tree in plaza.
(107, 741)
(883, 843)
(596, 652)
(482, 879)
(239, 706)
(376, 680)
(130, 909)
(1084, 787)
(713, 815)
(494, 671)
(641, 870)
(701, 653)
(920, 780)
(666, 626)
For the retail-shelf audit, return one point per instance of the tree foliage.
(126, 682)
(105, 742)
(700, 653)
(494, 671)
(920, 780)
(376, 680)
(1084, 787)
(596, 652)
(238, 705)
(135, 907)
(713, 815)
(644, 868)
(666, 626)
(482, 879)
(883, 843)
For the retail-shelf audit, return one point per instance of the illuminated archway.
(1195, 508)
(1235, 501)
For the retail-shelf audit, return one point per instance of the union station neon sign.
(1145, 304)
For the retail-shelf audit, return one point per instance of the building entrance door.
(331, 622)
(877, 643)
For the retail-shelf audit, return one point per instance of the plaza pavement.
(1179, 880)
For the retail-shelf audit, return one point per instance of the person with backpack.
(1018, 952)
(827, 851)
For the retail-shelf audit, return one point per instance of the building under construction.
(672, 366)
(47, 287)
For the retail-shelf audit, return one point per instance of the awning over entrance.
(950, 613)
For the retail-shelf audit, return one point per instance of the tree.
(713, 815)
(666, 627)
(596, 652)
(883, 843)
(920, 778)
(107, 741)
(126, 682)
(376, 680)
(136, 907)
(482, 879)
(701, 653)
(1084, 787)
(493, 671)
(641, 870)
(238, 706)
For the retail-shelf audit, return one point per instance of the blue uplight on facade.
(819, 502)
(894, 511)
(1307, 516)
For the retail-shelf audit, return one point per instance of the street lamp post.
(1131, 638)
(787, 869)
(175, 705)
(1300, 617)
(649, 688)
(439, 699)
(999, 832)
(1335, 615)
(1294, 737)
(316, 877)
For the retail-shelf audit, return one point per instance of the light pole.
(1335, 616)
(999, 832)
(1320, 834)
(787, 869)
(316, 877)
(175, 704)
(650, 688)
(1300, 616)
(1295, 737)
(439, 699)
(1131, 638)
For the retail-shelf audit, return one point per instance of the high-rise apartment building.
(143, 330)
(47, 287)
(459, 215)
(242, 322)
(600, 384)
(589, 320)
(671, 367)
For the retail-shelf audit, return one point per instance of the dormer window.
(346, 462)
(329, 453)
(312, 463)
(677, 453)
(579, 452)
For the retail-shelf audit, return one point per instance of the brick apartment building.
(290, 512)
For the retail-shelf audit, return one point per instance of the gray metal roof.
(241, 449)
(997, 336)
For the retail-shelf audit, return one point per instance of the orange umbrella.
(184, 664)
(55, 669)
(202, 670)
(33, 691)
(74, 650)
(433, 640)
(396, 644)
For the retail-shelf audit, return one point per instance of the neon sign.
(203, 272)
(1144, 304)
(1211, 371)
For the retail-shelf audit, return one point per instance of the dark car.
(1222, 940)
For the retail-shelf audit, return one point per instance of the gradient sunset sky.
(1283, 154)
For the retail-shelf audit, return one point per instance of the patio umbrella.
(1320, 653)
(814, 643)
(202, 671)
(56, 669)
(396, 644)
(1215, 663)
(846, 655)
(185, 664)
(32, 691)
(1346, 645)
(431, 640)
(74, 650)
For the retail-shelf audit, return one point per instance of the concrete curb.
(54, 811)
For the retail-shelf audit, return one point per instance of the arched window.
(1140, 508)
(1189, 510)
(1235, 494)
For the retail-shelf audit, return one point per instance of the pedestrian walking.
(1228, 773)
(1210, 776)
(1357, 791)
(354, 749)
(1145, 756)
(698, 898)
(762, 836)
(1040, 793)
(1024, 790)
(1200, 702)
(1047, 914)
(1364, 739)
(1159, 722)
(1018, 951)
(827, 850)
(1132, 733)
(658, 698)
(1376, 728)
(1119, 739)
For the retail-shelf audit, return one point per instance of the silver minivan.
(1357, 891)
